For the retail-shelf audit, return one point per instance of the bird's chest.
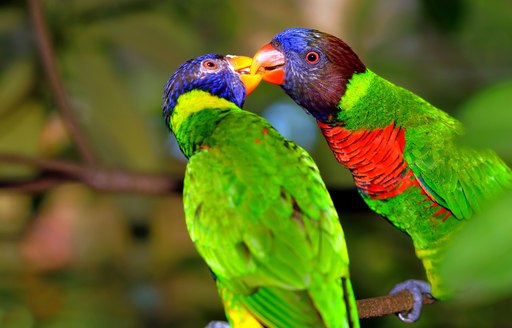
(374, 157)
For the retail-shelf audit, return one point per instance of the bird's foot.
(217, 324)
(417, 288)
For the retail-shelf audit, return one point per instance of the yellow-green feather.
(260, 215)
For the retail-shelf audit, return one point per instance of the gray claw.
(217, 324)
(417, 288)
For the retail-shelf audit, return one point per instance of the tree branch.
(47, 57)
(390, 304)
(54, 172)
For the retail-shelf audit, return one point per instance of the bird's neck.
(193, 102)
(195, 117)
(367, 102)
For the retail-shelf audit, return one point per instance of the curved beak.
(242, 65)
(269, 63)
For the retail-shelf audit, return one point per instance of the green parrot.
(255, 204)
(400, 149)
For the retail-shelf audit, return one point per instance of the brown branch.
(47, 57)
(390, 304)
(54, 172)
(35, 185)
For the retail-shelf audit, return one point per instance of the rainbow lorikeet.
(256, 207)
(400, 149)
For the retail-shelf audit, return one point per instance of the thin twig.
(391, 304)
(35, 185)
(54, 172)
(47, 57)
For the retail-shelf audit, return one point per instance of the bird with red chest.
(400, 149)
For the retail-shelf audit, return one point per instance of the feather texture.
(260, 215)
(435, 182)
(401, 150)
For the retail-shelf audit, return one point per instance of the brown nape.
(345, 59)
(320, 91)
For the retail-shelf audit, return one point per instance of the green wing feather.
(261, 217)
(460, 179)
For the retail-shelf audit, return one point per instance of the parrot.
(400, 149)
(256, 207)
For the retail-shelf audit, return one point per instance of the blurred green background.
(74, 257)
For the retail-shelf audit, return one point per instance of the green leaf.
(478, 263)
(146, 63)
(152, 35)
(19, 134)
(487, 119)
(16, 83)
(9, 19)
(118, 133)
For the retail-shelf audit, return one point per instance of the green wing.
(261, 217)
(460, 179)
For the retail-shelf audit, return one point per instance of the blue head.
(312, 67)
(212, 73)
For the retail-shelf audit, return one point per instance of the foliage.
(479, 261)
(73, 255)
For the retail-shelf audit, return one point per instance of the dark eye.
(312, 57)
(210, 64)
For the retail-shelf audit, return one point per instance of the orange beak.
(269, 63)
(242, 65)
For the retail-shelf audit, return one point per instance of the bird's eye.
(210, 64)
(312, 57)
